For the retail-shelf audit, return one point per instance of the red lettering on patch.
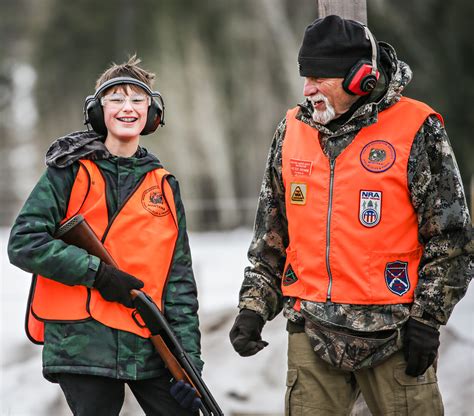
(300, 167)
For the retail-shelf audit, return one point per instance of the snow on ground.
(240, 385)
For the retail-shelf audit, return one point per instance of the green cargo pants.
(316, 388)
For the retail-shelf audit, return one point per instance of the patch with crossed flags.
(396, 277)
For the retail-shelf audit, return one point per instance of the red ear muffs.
(360, 80)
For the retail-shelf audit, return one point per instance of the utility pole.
(348, 9)
(354, 10)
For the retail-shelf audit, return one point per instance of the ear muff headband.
(94, 114)
(362, 77)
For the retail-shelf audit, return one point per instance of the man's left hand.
(420, 346)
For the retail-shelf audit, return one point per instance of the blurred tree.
(216, 69)
(19, 22)
(228, 73)
(78, 41)
(434, 38)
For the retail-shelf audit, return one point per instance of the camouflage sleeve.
(181, 303)
(261, 291)
(444, 224)
(31, 246)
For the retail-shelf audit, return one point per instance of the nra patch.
(396, 277)
(377, 156)
(370, 208)
(300, 167)
(298, 192)
(152, 201)
(289, 277)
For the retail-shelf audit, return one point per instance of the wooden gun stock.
(78, 232)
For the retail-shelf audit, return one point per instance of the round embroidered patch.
(152, 201)
(377, 156)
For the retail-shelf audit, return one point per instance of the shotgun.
(76, 231)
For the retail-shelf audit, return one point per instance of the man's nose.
(310, 87)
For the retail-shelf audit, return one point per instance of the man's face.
(125, 111)
(328, 97)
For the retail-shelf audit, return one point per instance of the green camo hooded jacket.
(90, 347)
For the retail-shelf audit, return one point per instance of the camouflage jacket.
(90, 347)
(444, 228)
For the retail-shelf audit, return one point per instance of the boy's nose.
(127, 105)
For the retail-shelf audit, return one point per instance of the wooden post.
(348, 9)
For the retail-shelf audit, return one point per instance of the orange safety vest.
(141, 238)
(353, 232)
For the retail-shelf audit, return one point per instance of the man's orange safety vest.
(353, 231)
(141, 238)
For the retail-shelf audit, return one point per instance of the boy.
(79, 306)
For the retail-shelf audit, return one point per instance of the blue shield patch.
(396, 277)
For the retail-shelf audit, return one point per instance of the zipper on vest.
(332, 164)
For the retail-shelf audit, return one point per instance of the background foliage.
(227, 71)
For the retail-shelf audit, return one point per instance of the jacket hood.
(85, 144)
(397, 73)
(394, 77)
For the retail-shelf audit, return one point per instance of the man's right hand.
(245, 334)
(115, 285)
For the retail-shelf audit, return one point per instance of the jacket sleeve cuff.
(89, 278)
(256, 306)
(417, 312)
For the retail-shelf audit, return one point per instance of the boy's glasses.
(117, 101)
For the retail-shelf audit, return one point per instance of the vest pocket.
(393, 276)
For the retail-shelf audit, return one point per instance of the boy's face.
(125, 111)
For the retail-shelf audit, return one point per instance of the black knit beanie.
(331, 46)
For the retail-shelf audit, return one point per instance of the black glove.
(245, 334)
(115, 285)
(420, 346)
(185, 395)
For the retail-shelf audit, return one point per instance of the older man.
(361, 233)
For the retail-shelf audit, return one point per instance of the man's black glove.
(420, 346)
(185, 395)
(245, 334)
(115, 285)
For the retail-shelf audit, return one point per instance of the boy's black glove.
(115, 285)
(245, 334)
(420, 346)
(185, 395)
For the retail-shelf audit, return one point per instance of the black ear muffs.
(362, 77)
(94, 114)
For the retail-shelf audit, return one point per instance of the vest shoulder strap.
(80, 190)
